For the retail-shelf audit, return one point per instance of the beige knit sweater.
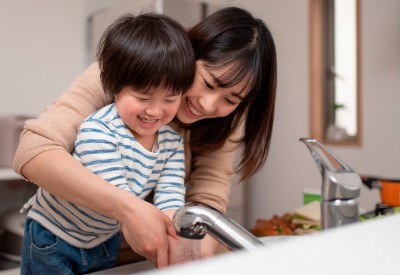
(208, 176)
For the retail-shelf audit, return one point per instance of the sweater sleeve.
(212, 173)
(169, 191)
(57, 126)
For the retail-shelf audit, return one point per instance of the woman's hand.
(146, 229)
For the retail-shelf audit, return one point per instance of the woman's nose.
(208, 103)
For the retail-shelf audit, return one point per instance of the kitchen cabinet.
(14, 190)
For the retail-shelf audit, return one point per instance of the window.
(334, 71)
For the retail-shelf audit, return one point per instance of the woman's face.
(205, 99)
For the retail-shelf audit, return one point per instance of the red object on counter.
(389, 189)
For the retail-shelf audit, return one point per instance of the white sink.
(368, 248)
(277, 239)
(146, 265)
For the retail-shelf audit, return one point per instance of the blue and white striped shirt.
(106, 146)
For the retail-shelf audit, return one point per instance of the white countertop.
(369, 248)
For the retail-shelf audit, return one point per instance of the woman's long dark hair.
(232, 36)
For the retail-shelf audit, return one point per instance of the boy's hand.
(146, 229)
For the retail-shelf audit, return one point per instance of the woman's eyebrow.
(215, 78)
(220, 83)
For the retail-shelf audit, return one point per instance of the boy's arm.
(169, 192)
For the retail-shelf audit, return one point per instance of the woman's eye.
(208, 85)
(230, 102)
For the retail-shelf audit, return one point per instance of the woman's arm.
(57, 126)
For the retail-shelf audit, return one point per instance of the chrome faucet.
(341, 186)
(195, 220)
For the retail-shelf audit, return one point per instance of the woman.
(229, 107)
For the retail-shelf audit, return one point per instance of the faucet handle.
(339, 181)
(325, 159)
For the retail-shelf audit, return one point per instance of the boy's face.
(143, 113)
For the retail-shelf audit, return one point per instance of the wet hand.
(146, 229)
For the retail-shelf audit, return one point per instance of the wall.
(278, 187)
(42, 50)
(40, 59)
(45, 45)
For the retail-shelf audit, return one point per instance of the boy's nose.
(153, 111)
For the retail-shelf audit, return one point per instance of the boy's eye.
(139, 97)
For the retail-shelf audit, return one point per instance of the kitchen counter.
(369, 248)
(146, 265)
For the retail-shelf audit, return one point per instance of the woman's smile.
(188, 112)
(192, 108)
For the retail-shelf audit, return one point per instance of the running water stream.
(187, 250)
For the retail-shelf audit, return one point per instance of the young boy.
(146, 63)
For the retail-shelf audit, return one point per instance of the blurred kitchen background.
(45, 44)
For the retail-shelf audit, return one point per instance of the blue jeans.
(45, 253)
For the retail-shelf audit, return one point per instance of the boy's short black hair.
(146, 51)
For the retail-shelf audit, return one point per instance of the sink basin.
(276, 239)
(340, 250)
(146, 265)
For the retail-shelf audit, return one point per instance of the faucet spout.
(194, 221)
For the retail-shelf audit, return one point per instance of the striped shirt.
(107, 147)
